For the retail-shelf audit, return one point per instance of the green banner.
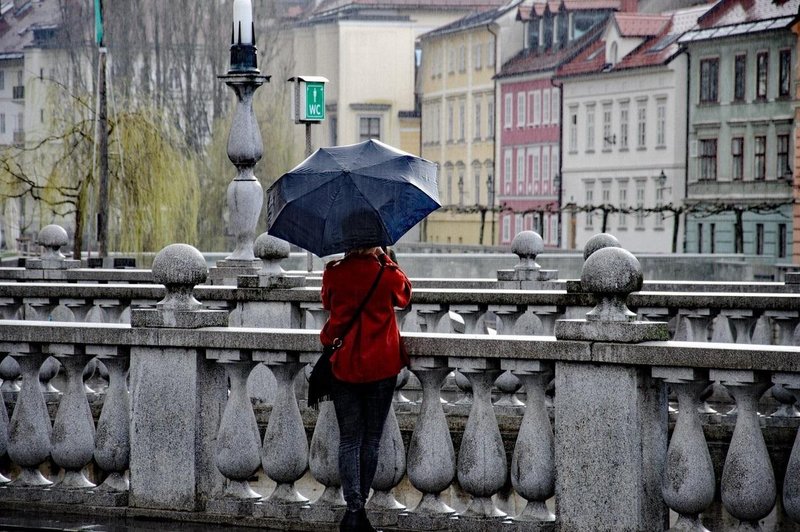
(98, 21)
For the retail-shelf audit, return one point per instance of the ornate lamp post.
(245, 148)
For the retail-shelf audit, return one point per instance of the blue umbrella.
(345, 197)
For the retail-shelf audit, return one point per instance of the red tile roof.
(327, 6)
(527, 10)
(728, 12)
(591, 59)
(639, 25)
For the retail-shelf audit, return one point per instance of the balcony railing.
(182, 436)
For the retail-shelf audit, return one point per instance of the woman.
(366, 365)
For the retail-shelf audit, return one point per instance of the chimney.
(629, 6)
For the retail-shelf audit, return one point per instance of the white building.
(624, 133)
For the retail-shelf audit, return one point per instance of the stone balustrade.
(182, 437)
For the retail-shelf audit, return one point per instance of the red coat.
(371, 349)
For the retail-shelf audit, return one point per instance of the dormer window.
(613, 53)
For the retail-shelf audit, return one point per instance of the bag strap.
(338, 341)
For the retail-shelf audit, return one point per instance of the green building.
(742, 61)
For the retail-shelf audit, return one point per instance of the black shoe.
(364, 525)
(351, 522)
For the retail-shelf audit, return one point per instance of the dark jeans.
(361, 411)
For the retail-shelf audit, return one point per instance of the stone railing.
(184, 431)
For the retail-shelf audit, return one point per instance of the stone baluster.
(508, 385)
(112, 447)
(323, 462)
(507, 317)
(407, 319)
(688, 485)
(748, 482)
(786, 321)
(236, 450)
(315, 315)
(284, 454)
(36, 308)
(471, 314)
(741, 322)
(532, 464)
(63, 311)
(48, 371)
(9, 374)
(431, 461)
(73, 428)
(693, 325)
(8, 308)
(30, 429)
(391, 469)
(3, 421)
(791, 479)
(52, 238)
(482, 465)
(430, 317)
(546, 316)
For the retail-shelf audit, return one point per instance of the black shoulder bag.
(319, 382)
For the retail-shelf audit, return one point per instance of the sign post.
(308, 107)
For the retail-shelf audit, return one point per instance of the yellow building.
(457, 93)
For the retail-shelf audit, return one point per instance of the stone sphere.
(527, 244)
(268, 247)
(611, 271)
(179, 264)
(53, 236)
(600, 241)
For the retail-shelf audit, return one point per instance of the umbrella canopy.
(345, 197)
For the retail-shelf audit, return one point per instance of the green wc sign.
(308, 99)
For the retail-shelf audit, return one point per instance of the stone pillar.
(610, 420)
(527, 274)
(178, 396)
(51, 263)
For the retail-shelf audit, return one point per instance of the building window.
(759, 239)
(508, 116)
(640, 193)
(659, 221)
(783, 157)
(641, 125)
(661, 123)
(476, 175)
(782, 241)
(712, 240)
(589, 205)
(737, 158)
(2, 122)
(573, 130)
(490, 118)
(451, 60)
(2, 80)
(450, 121)
(623, 126)
(607, 139)
(760, 157)
(449, 177)
(520, 172)
(623, 204)
(506, 228)
(553, 173)
(537, 108)
(507, 169)
(461, 185)
(476, 56)
(369, 128)
(462, 120)
(545, 106)
(545, 170)
(784, 73)
(556, 103)
(590, 128)
(699, 238)
(521, 116)
(477, 119)
(490, 54)
(535, 174)
(518, 223)
(708, 159)
(739, 77)
(709, 80)
(762, 71)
